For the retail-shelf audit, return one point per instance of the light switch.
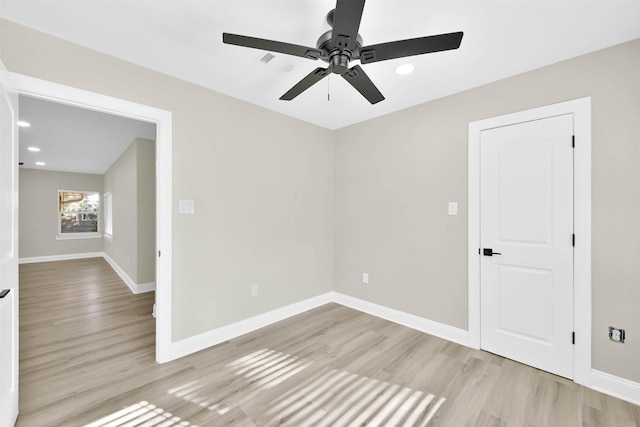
(186, 206)
(453, 208)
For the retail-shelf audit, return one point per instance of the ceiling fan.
(342, 44)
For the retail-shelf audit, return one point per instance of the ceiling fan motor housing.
(330, 48)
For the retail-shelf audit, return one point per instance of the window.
(108, 215)
(78, 214)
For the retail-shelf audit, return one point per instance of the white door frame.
(163, 120)
(581, 110)
(9, 262)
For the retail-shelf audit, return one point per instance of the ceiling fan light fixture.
(404, 69)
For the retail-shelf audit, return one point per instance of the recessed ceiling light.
(23, 124)
(34, 149)
(40, 163)
(404, 69)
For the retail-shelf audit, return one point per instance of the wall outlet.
(616, 334)
(365, 278)
(255, 290)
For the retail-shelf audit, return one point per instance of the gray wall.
(264, 192)
(38, 212)
(131, 180)
(262, 184)
(395, 175)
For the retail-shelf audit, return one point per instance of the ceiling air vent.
(268, 57)
(276, 63)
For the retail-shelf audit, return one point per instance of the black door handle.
(489, 252)
(4, 293)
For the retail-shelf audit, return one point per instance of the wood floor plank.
(87, 359)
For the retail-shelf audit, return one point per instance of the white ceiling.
(71, 139)
(184, 39)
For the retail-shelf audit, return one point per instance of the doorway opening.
(44, 90)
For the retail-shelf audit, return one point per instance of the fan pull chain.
(329, 87)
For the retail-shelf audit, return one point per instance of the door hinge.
(159, 253)
(478, 251)
(573, 141)
(573, 239)
(573, 338)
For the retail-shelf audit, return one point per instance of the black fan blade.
(359, 80)
(310, 79)
(271, 46)
(346, 22)
(410, 47)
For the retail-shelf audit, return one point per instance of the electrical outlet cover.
(616, 334)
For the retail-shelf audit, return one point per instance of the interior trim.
(216, 336)
(224, 333)
(612, 385)
(136, 288)
(62, 257)
(163, 120)
(440, 330)
(581, 110)
(615, 386)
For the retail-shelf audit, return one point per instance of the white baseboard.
(64, 257)
(612, 385)
(449, 333)
(615, 386)
(609, 384)
(136, 288)
(216, 336)
(145, 287)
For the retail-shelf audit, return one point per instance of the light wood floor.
(87, 358)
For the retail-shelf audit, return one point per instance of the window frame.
(82, 235)
(107, 215)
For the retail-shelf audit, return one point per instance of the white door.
(8, 260)
(526, 227)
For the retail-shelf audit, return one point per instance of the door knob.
(489, 252)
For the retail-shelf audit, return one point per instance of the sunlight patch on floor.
(142, 414)
(268, 368)
(339, 398)
(326, 397)
(261, 369)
